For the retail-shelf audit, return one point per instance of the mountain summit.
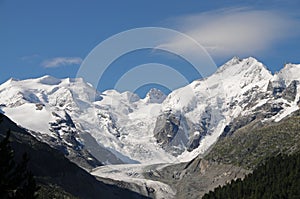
(155, 96)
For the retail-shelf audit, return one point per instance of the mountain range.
(135, 138)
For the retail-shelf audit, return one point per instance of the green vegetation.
(278, 177)
(251, 145)
(53, 191)
(271, 150)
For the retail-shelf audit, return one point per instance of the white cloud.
(61, 61)
(237, 31)
(30, 57)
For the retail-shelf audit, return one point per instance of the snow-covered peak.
(236, 66)
(233, 61)
(8, 83)
(12, 80)
(47, 89)
(113, 97)
(290, 72)
(155, 96)
(48, 80)
(230, 81)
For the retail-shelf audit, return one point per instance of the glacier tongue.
(122, 128)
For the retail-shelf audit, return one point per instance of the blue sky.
(53, 37)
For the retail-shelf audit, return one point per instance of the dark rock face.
(199, 131)
(279, 89)
(270, 87)
(276, 87)
(166, 128)
(194, 141)
(175, 133)
(291, 91)
(236, 124)
(266, 111)
(252, 96)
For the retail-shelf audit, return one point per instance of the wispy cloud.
(61, 61)
(238, 31)
(30, 57)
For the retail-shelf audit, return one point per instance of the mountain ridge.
(170, 128)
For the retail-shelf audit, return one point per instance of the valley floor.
(182, 180)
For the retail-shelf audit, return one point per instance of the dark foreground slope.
(54, 172)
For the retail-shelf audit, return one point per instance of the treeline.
(278, 177)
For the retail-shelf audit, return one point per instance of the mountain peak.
(13, 80)
(237, 66)
(48, 80)
(290, 72)
(155, 96)
(10, 80)
(234, 60)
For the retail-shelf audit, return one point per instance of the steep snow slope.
(122, 128)
(208, 105)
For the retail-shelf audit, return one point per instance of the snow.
(124, 124)
(196, 133)
(48, 80)
(290, 72)
(278, 81)
(36, 119)
(205, 144)
(228, 84)
(285, 113)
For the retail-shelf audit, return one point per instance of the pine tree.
(278, 177)
(15, 180)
